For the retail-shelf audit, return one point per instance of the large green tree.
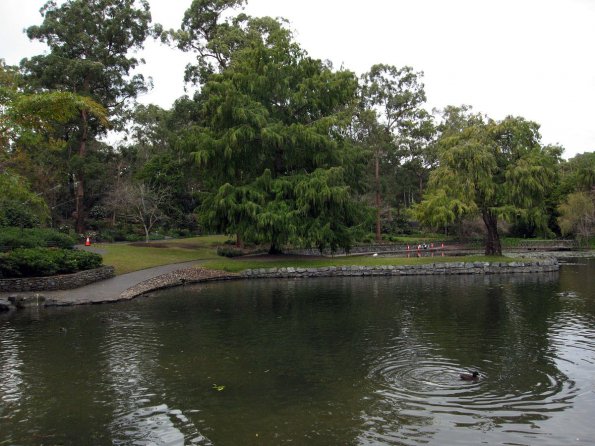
(497, 169)
(89, 45)
(213, 39)
(31, 136)
(397, 126)
(272, 139)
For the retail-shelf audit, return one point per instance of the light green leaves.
(495, 169)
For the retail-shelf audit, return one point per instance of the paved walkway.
(109, 290)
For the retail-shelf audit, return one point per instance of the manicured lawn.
(243, 263)
(419, 238)
(128, 257)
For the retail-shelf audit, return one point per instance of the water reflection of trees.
(316, 336)
(336, 360)
(498, 325)
(56, 383)
(287, 352)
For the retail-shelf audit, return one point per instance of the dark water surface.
(344, 361)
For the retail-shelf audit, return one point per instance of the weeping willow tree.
(272, 143)
(498, 170)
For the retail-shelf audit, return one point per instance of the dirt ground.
(277, 257)
(166, 245)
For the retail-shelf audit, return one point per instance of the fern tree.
(277, 164)
(90, 44)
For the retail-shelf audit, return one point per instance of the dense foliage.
(275, 146)
(19, 205)
(498, 170)
(273, 142)
(37, 262)
(90, 45)
(13, 238)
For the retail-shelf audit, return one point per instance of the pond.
(336, 361)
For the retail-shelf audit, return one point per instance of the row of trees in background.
(275, 147)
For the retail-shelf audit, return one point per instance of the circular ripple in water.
(414, 379)
(433, 384)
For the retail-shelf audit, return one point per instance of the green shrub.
(134, 237)
(84, 260)
(36, 262)
(15, 214)
(13, 238)
(180, 233)
(229, 251)
(111, 235)
(156, 236)
(368, 239)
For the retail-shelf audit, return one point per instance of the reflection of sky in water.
(422, 401)
(156, 425)
(334, 361)
(10, 370)
(131, 353)
(572, 341)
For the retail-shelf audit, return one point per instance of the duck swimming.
(470, 376)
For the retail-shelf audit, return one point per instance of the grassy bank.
(128, 257)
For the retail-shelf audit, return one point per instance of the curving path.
(130, 285)
(127, 286)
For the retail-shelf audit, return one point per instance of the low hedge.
(37, 262)
(14, 238)
(229, 251)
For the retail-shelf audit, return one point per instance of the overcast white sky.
(532, 58)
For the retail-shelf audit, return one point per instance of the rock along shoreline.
(194, 275)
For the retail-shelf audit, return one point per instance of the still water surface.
(345, 361)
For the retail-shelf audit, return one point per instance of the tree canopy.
(89, 44)
(272, 139)
(394, 122)
(497, 169)
(274, 146)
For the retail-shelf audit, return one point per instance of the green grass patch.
(201, 241)
(240, 264)
(128, 257)
(417, 239)
(515, 242)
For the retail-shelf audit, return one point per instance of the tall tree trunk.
(239, 241)
(80, 191)
(275, 248)
(377, 184)
(492, 243)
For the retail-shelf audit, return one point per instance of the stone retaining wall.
(51, 283)
(201, 275)
(542, 265)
